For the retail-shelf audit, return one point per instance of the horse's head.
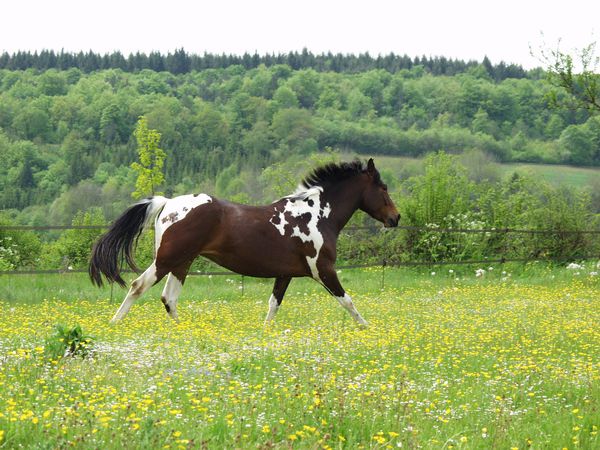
(376, 201)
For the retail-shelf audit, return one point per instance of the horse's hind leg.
(172, 289)
(140, 285)
(281, 285)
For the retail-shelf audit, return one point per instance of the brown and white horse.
(293, 237)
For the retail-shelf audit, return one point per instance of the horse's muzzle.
(392, 222)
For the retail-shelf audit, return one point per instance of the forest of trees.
(180, 62)
(66, 136)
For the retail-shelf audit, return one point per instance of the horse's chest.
(300, 218)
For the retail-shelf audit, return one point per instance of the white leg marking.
(138, 287)
(170, 294)
(273, 308)
(346, 302)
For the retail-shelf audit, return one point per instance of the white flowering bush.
(454, 246)
(9, 254)
(18, 249)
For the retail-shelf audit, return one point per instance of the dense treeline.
(180, 62)
(66, 136)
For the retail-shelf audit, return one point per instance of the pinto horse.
(294, 237)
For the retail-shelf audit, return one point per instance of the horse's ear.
(371, 167)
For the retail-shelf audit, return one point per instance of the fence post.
(505, 247)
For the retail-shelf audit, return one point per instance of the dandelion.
(480, 273)
(379, 439)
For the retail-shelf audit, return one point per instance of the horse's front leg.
(281, 285)
(329, 279)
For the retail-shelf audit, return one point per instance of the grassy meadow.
(555, 174)
(507, 359)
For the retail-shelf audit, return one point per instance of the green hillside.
(66, 136)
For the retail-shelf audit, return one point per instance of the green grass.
(77, 286)
(450, 360)
(555, 174)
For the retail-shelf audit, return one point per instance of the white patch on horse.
(176, 209)
(346, 302)
(273, 308)
(300, 203)
(170, 294)
(282, 222)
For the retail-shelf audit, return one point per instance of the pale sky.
(465, 29)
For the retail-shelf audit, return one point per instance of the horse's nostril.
(393, 221)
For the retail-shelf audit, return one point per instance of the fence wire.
(382, 263)
(350, 228)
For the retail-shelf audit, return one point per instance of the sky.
(463, 29)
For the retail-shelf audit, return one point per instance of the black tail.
(118, 242)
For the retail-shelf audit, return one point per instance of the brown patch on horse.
(137, 286)
(301, 222)
(170, 217)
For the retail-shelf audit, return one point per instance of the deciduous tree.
(152, 159)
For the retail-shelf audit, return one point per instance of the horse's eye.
(384, 187)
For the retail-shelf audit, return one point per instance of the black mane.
(332, 173)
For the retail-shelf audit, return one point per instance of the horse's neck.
(344, 201)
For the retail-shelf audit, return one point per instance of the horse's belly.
(259, 265)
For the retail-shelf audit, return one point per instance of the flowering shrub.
(432, 245)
